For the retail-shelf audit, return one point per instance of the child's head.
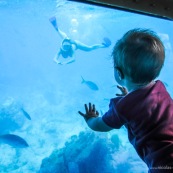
(139, 55)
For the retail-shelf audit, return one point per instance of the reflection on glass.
(40, 99)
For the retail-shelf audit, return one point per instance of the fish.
(90, 84)
(13, 140)
(166, 85)
(25, 114)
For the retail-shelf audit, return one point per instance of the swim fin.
(107, 42)
(53, 21)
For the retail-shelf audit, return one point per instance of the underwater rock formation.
(93, 152)
(85, 153)
(90, 152)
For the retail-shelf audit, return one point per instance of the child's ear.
(120, 74)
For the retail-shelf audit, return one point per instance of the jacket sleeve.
(111, 117)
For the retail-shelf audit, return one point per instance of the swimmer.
(69, 46)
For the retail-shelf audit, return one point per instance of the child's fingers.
(119, 87)
(86, 108)
(90, 108)
(97, 113)
(82, 114)
(123, 90)
(94, 109)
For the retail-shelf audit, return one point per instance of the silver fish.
(25, 114)
(13, 140)
(90, 84)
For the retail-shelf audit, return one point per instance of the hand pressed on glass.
(123, 91)
(91, 112)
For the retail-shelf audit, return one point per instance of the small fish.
(90, 84)
(25, 114)
(13, 140)
(166, 85)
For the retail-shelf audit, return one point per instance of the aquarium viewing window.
(42, 89)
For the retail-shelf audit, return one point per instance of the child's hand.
(90, 113)
(123, 91)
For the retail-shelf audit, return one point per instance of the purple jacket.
(147, 114)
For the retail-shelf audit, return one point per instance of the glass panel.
(40, 99)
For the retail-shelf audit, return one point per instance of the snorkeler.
(69, 46)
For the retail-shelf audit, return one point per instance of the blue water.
(59, 139)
